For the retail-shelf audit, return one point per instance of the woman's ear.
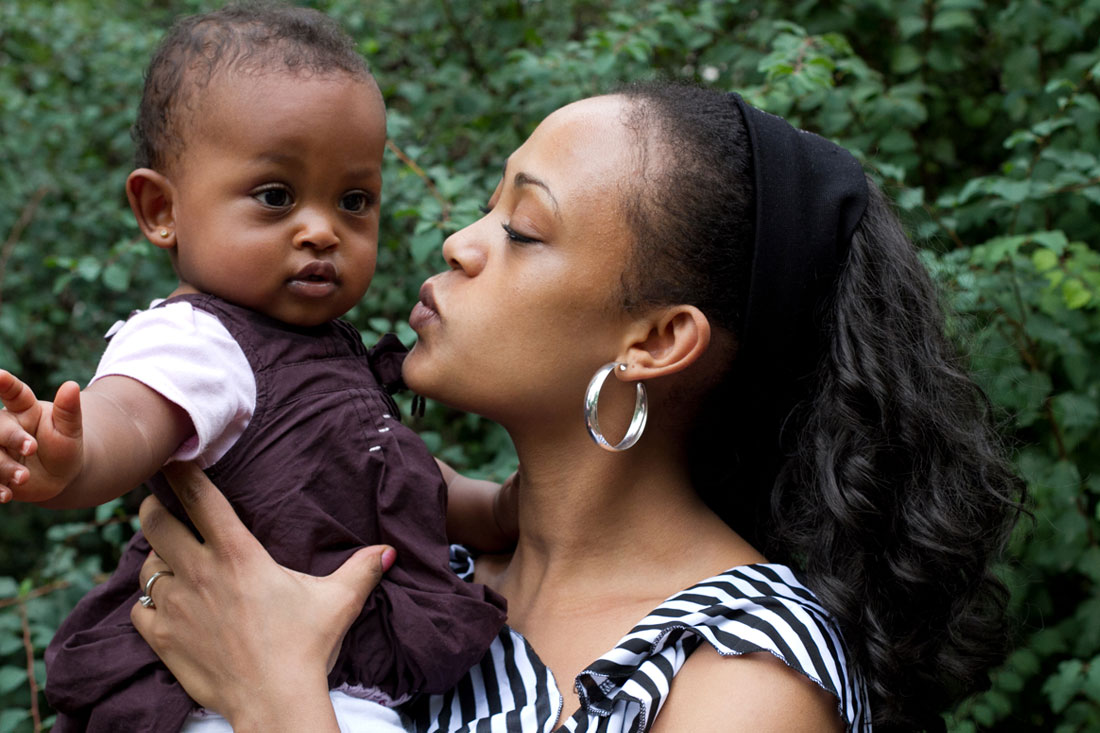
(151, 196)
(668, 341)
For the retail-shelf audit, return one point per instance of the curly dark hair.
(249, 37)
(886, 483)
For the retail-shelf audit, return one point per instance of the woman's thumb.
(363, 571)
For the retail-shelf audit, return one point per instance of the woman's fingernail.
(26, 448)
(388, 556)
(19, 476)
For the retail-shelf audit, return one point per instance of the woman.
(804, 408)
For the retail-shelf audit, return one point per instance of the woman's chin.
(418, 374)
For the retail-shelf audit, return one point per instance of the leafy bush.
(981, 119)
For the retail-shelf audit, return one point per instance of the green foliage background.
(980, 118)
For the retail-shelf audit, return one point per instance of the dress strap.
(754, 608)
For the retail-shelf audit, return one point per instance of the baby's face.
(276, 193)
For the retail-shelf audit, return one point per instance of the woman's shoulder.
(763, 610)
(757, 692)
(749, 609)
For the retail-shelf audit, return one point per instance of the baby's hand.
(42, 442)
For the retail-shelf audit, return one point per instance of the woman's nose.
(315, 230)
(464, 250)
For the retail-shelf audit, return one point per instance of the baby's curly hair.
(249, 37)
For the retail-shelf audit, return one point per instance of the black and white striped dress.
(751, 608)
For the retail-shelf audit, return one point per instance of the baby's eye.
(357, 202)
(275, 197)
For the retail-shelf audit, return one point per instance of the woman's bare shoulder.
(754, 692)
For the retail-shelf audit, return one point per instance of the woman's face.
(531, 305)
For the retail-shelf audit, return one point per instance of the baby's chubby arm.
(481, 514)
(84, 448)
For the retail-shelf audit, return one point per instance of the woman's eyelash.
(485, 209)
(516, 236)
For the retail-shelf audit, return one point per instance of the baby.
(260, 138)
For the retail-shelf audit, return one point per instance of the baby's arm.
(84, 448)
(482, 515)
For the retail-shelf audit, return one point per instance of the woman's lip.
(421, 316)
(425, 311)
(427, 295)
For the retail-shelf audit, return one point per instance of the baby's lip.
(317, 271)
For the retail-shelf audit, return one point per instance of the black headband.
(810, 195)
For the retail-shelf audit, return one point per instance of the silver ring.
(146, 598)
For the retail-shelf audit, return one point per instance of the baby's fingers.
(12, 475)
(67, 420)
(16, 441)
(15, 395)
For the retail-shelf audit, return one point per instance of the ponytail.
(899, 496)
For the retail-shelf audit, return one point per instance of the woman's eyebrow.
(524, 179)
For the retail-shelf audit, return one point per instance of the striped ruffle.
(752, 608)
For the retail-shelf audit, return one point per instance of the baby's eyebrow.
(277, 156)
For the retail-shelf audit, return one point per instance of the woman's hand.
(245, 636)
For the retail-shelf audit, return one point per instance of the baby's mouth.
(317, 279)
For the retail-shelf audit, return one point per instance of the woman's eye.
(356, 202)
(517, 237)
(274, 198)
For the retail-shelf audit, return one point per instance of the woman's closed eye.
(274, 196)
(356, 202)
(516, 237)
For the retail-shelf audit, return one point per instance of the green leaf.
(1012, 191)
(949, 20)
(12, 678)
(1089, 564)
(1061, 687)
(911, 198)
(1044, 259)
(1075, 294)
(9, 588)
(1046, 127)
(380, 325)
(1053, 240)
(12, 718)
(1091, 686)
(116, 277)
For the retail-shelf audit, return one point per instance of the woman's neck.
(623, 527)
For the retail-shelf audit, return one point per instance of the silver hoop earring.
(592, 398)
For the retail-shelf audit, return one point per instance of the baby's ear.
(151, 197)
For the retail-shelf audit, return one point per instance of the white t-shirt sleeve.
(191, 359)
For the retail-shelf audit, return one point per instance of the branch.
(36, 593)
(404, 158)
(17, 230)
(36, 718)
